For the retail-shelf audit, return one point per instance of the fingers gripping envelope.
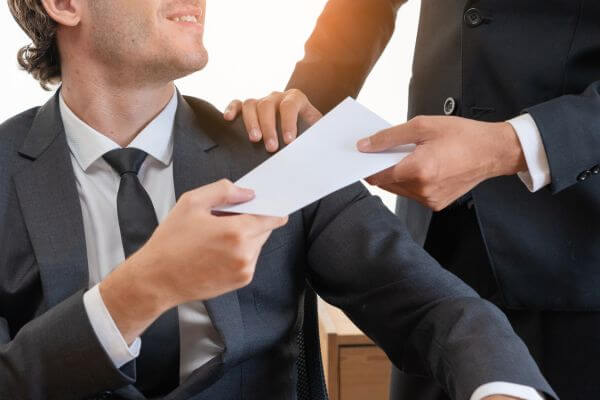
(322, 160)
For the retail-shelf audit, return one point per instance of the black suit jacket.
(351, 249)
(514, 56)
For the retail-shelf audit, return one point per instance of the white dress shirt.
(537, 175)
(97, 185)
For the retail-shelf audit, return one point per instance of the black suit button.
(106, 395)
(449, 106)
(596, 170)
(473, 17)
(584, 175)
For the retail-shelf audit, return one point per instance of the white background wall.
(253, 46)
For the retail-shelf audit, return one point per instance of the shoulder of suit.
(222, 131)
(203, 109)
(14, 130)
(231, 136)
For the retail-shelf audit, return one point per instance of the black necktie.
(157, 367)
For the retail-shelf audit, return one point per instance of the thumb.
(221, 193)
(405, 170)
(390, 138)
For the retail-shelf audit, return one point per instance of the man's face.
(154, 40)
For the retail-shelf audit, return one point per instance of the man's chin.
(187, 66)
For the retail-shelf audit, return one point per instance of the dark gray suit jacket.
(348, 246)
(496, 58)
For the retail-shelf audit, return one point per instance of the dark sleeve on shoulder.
(57, 356)
(347, 41)
(363, 260)
(570, 130)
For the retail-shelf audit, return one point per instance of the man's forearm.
(168, 270)
(443, 328)
(349, 38)
(133, 301)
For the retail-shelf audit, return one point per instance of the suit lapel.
(50, 204)
(198, 161)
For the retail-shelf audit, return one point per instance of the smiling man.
(117, 280)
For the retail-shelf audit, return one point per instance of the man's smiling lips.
(191, 17)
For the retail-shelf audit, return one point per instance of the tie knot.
(125, 160)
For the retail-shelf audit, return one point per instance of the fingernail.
(288, 137)
(271, 145)
(364, 144)
(255, 134)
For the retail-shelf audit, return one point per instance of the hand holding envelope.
(322, 160)
(452, 154)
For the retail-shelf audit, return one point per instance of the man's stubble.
(130, 45)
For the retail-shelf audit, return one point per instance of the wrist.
(132, 298)
(508, 158)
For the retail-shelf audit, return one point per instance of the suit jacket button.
(106, 394)
(473, 17)
(584, 175)
(449, 106)
(596, 170)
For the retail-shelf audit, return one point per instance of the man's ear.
(64, 12)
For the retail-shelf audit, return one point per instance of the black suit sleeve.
(570, 130)
(57, 356)
(363, 260)
(345, 45)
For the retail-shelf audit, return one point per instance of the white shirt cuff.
(106, 330)
(506, 389)
(538, 171)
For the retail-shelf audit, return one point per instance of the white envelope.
(322, 160)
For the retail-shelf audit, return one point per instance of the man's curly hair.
(40, 58)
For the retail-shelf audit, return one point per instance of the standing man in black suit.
(512, 169)
(118, 282)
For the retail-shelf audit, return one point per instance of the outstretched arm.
(363, 260)
(347, 41)
(60, 354)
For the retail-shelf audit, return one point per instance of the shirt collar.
(88, 145)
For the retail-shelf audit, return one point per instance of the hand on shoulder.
(260, 116)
